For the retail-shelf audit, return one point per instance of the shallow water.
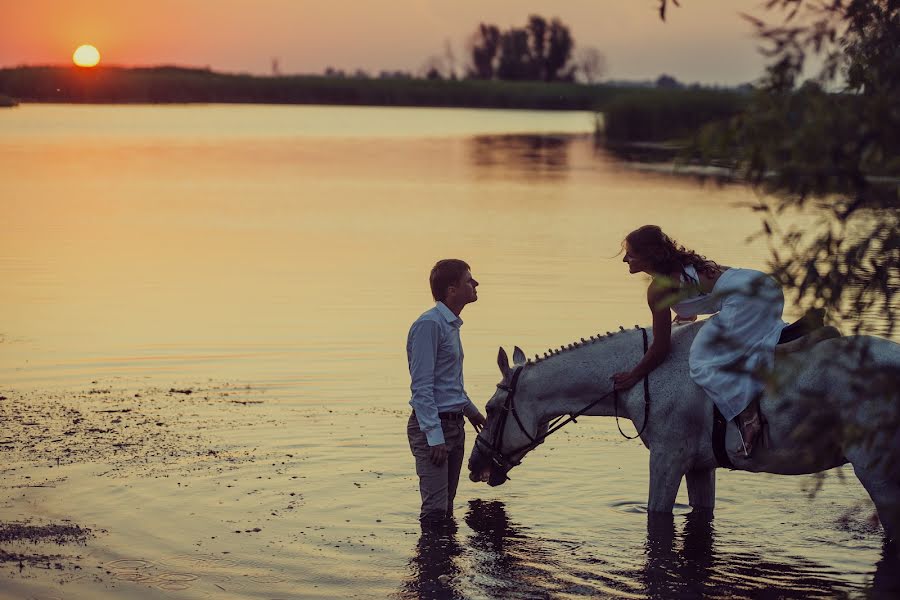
(271, 259)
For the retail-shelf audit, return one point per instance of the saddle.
(805, 332)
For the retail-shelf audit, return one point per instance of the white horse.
(823, 409)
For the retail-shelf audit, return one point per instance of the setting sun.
(86, 56)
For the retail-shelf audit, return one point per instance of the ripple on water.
(147, 572)
(632, 507)
(206, 561)
(128, 565)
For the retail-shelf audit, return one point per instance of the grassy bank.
(664, 115)
(180, 85)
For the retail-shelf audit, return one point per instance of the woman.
(735, 343)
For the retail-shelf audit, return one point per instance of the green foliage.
(832, 147)
(667, 114)
(825, 152)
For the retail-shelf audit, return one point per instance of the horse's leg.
(701, 485)
(882, 485)
(666, 472)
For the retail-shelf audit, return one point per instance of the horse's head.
(513, 425)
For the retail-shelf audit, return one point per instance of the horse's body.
(821, 414)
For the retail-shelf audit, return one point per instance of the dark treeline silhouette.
(182, 85)
(540, 51)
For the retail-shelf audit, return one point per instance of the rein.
(509, 407)
(646, 400)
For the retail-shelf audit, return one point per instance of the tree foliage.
(590, 64)
(820, 138)
(539, 51)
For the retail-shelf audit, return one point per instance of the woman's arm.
(662, 340)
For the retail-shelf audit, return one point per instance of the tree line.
(541, 50)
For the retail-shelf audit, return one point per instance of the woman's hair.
(445, 273)
(665, 254)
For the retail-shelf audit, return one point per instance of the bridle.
(506, 462)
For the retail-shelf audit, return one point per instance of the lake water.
(271, 260)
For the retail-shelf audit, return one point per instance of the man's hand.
(478, 422)
(439, 454)
(624, 381)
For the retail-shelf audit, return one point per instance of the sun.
(86, 56)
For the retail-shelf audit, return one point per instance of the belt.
(448, 416)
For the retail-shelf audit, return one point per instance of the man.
(439, 400)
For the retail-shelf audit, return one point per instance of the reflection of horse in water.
(686, 562)
(823, 411)
(680, 557)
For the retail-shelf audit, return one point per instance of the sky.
(703, 41)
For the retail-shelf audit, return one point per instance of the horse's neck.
(571, 379)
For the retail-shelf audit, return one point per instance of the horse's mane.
(551, 352)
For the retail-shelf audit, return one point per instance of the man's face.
(464, 291)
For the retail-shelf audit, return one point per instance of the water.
(271, 259)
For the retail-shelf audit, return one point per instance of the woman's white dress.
(738, 340)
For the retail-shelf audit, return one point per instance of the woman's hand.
(625, 380)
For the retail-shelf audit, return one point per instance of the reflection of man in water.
(439, 400)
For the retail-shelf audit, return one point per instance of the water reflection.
(521, 156)
(509, 564)
(678, 572)
(433, 567)
(682, 559)
(886, 582)
(692, 565)
(496, 561)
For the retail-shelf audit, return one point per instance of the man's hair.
(445, 273)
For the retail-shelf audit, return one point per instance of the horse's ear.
(503, 363)
(518, 356)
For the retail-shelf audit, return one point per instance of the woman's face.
(636, 264)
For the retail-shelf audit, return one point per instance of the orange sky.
(704, 40)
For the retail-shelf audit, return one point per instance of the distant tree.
(485, 44)
(561, 46)
(540, 51)
(449, 60)
(538, 46)
(394, 75)
(668, 82)
(515, 56)
(590, 63)
(434, 67)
